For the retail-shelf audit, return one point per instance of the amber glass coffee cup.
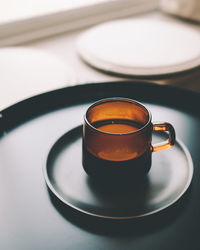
(117, 139)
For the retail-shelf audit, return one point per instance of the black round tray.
(33, 218)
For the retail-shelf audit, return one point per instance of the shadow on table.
(131, 227)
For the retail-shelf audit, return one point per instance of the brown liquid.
(118, 148)
(102, 166)
(104, 169)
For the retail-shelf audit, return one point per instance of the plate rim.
(118, 69)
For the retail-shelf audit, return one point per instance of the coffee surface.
(118, 126)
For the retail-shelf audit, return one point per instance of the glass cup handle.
(172, 136)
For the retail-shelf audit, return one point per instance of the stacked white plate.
(141, 47)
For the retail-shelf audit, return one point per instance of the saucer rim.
(58, 196)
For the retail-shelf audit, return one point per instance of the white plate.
(141, 47)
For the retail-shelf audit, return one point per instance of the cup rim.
(123, 99)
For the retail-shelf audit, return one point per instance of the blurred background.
(45, 45)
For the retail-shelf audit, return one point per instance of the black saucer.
(168, 179)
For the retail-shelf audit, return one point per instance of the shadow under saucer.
(123, 228)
